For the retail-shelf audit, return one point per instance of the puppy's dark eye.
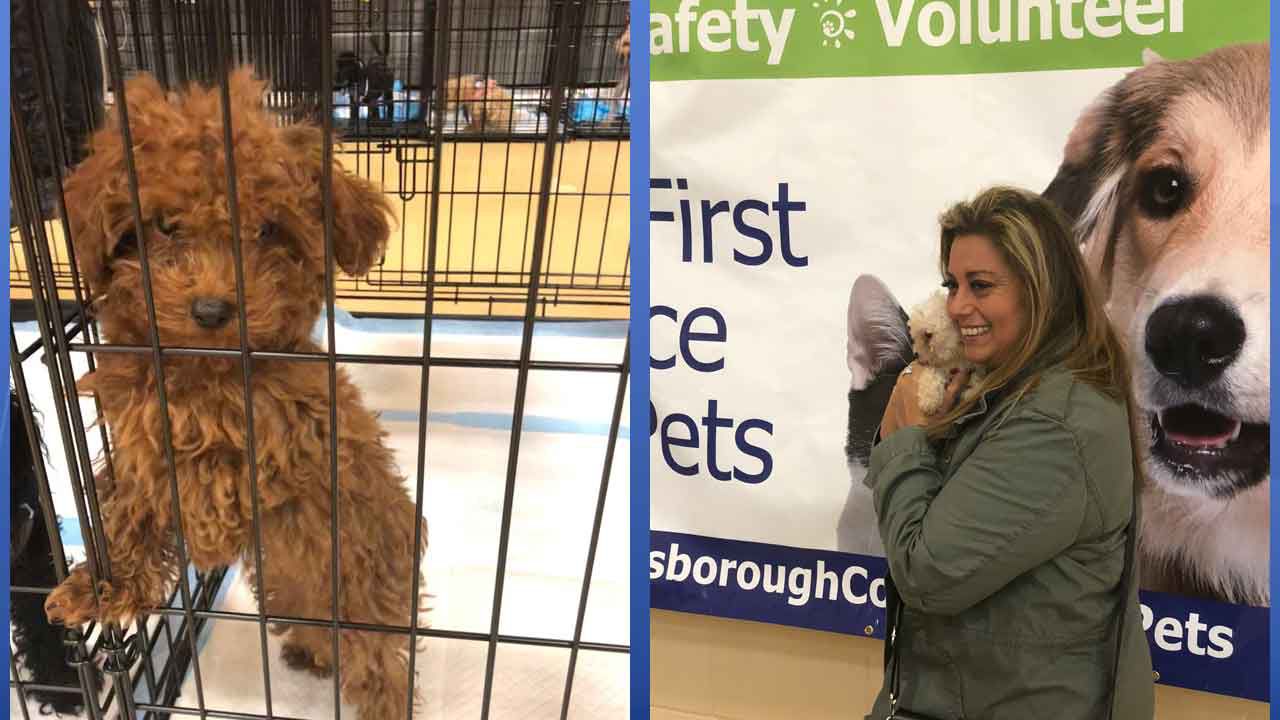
(126, 245)
(1162, 192)
(274, 236)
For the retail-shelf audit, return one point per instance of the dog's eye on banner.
(1163, 191)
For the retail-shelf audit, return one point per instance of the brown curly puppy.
(178, 150)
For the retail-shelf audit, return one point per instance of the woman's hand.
(904, 409)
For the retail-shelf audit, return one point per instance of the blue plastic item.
(595, 111)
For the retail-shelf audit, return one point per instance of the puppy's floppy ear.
(361, 213)
(99, 208)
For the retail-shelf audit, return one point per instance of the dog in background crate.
(622, 88)
(488, 106)
(187, 236)
(38, 644)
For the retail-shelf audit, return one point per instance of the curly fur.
(179, 155)
(38, 644)
(936, 341)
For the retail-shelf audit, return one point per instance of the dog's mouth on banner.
(1204, 448)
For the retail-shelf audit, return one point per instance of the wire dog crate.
(495, 322)
(487, 189)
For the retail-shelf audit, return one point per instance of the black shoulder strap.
(1127, 580)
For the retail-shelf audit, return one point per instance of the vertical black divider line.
(22, 182)
(117, 79)
(614, 426)
(326, 194)
(222, 23)
(428, 311)
(559, 53)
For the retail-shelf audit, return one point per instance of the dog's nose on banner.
(211, 313)
(1193, 340)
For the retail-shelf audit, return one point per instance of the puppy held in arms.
(939, 351)
(186, 233)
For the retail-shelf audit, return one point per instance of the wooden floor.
(708, 668)
(485, 228)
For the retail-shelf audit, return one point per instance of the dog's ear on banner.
(361, 213)
(877, 331)
(1086, 185)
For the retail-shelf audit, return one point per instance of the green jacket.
(1006, 541)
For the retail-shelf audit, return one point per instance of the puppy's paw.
(72, 603)
(300, 658)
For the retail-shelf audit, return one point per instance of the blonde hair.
(1066, 322)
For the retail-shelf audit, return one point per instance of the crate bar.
(614, 425)
(422, 632)
(21, 686)
(511, 118)
(21, 179)
(57, 144)
(497, 364)
(326, 190)
(58, 555)
(113, 62)
(222, 23)
(428, 311)
(591, 146)
(559, 54)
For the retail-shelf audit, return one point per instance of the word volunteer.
(936, 23)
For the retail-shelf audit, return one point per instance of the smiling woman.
(1028, 486)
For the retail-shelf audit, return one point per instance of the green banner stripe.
(740, 39)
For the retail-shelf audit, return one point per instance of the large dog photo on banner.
(1166, 179)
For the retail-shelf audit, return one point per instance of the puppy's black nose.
(1192, 341)
(211, 313)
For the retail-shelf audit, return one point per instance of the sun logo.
(834, 23)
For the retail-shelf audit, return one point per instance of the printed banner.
(798, 146)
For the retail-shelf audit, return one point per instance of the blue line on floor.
(502, 421)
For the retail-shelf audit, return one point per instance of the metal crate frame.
(67, 328)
